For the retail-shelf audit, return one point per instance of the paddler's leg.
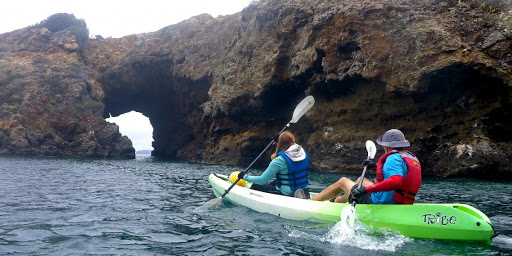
(366, 182)
(334, 189)
(347, 186)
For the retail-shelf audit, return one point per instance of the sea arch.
(147, 85)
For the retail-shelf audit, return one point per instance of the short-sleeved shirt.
(394, 165)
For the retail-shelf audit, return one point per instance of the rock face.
(50, 102)
(217, 89)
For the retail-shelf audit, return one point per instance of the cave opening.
(463, 93)
(137, 127)
(172, 103)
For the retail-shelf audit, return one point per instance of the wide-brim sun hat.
(393, 138)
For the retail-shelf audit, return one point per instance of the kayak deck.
(420, 220)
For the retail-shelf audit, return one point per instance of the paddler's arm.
(273, 168)
(393, 183)
(393, 168)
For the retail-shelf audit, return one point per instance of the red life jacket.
(411, 183)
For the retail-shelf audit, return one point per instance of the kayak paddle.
(299, 111)
(348, 213)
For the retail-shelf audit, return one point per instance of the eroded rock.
(217, 89)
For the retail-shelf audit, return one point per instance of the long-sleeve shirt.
(394, 165)
(278, 165)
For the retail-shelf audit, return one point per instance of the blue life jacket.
(297, 176)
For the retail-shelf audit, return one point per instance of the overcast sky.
(137, 127)
(116, 18)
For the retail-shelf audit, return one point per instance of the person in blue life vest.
(398, 176)
(288, 167)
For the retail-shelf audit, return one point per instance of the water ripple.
(51, 206)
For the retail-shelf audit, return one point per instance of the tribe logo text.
(444, 220)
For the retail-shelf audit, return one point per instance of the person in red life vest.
(398, 176)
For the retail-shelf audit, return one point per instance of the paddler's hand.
(276, 138)
(357, 192)
(369, 163)
(241, 175)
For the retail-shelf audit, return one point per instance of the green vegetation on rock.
(66, 21)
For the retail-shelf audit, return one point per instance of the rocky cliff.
(51, 104)
(217, 89)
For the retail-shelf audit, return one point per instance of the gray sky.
(116, 18)
(137, 127)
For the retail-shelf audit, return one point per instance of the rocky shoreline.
(217, 89)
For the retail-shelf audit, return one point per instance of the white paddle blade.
(303, 107)
(371, 148)
(348, 215)
(213, 202)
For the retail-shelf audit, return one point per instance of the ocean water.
(52, 206)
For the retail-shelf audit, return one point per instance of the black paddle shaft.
(361, 181)
(256, 159)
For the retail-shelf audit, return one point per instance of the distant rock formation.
(143, 152)
(217, 89)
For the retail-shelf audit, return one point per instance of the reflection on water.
(148, 207)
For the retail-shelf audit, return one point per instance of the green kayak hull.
(421, 220)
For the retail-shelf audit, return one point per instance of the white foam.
(359, 236)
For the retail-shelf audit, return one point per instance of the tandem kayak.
(458, 222)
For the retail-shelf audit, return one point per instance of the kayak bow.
(459, 222)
